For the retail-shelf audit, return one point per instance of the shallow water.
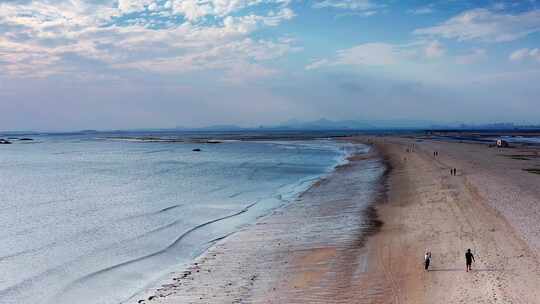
(84, 220)
(521, 139)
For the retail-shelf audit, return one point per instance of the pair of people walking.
(453, 171)
(469, 259)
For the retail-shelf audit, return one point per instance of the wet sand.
(316, 250)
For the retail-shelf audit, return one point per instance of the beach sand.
(327, 248)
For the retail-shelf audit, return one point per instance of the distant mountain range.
(326, 124)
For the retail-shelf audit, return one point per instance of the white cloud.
(234, 61)
(369, 13)
(41, 38)
(382, 54)
(192, 10)
(525, 54)
(474, 56)
(376, 54)
(369, 54)
(485, 25)
(519, 54)
(248, 23)
(499, 6)
(316, 64)
(356, 5)
(434, 49)
(129, 6)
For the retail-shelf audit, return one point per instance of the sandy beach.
(317, 250)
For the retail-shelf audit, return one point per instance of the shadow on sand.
(460, 269)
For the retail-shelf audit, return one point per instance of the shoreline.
(421, 207)
(173, 288)
(300, 187)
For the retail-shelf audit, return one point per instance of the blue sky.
(101, 64)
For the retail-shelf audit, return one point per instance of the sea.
(97, 218)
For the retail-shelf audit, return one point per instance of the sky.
(123, 64)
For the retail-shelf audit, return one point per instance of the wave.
(157, 151)
(162, 251)
(146, 214)
(90, 231)
(14, 289)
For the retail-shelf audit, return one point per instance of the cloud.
(194, 10)
(233, 62)
(486, 26)
(382, 54)
(434, 49)
(129, 6)
(368, 54)
(41, 38)
(474, 56)
(499, 6)
(355, 5)
(191, 9)
(316, 64)
(424, 10)
(525, 54)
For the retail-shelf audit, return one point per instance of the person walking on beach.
(427, 260)
(469, 258)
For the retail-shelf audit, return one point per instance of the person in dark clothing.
(469, 258)
(427, 259)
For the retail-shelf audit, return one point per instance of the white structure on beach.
(502, 143)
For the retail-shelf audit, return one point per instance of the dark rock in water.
(4, 142)
(196, 150)
(26, 139)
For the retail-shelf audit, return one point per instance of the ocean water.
(521, 139)
(92, 220)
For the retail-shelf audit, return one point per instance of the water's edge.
(373, 223)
